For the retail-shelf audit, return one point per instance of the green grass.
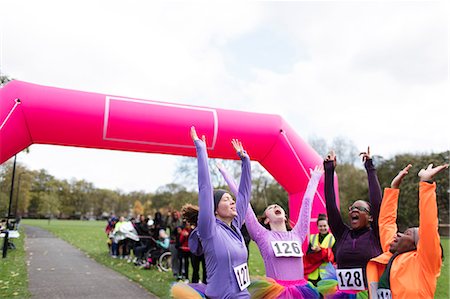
(13, 271)
(89, 237)
(443, 283)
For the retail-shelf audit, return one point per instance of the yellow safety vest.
(327, 242)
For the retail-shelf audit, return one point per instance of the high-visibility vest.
(327, 242)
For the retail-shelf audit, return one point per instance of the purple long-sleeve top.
(354, 248)
(280, 268)
(223, 246)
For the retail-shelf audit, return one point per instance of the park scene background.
(344, 75)
(47, 202)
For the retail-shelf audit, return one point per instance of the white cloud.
(375, 72)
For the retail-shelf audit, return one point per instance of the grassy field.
(89, 237)
(13, 271)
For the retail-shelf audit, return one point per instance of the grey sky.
(375, 72)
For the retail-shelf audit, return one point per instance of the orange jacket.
(413, 274)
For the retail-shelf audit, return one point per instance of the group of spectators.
(143, 239)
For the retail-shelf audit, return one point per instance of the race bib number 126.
(350, 279)
(287, 248)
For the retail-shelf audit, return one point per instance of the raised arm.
(428, 248)
(228, 179)
(304, 217)
(255, 229)
(387, 221)
(335, 221)
(206, 218)
(375, 194)
(245, 184)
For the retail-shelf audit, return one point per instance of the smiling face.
(274, 214)
(359, 214)
(226, 209)
(322, 226)
(403, 242)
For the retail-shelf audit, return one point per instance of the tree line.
(38, 194)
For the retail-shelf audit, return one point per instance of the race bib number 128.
(287, 248)
(350, 279)
(242, 276)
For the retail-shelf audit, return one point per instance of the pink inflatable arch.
(31, 113)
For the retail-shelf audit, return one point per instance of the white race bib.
(350, 279)
(287, 248)
(242, 276)
(384, 294)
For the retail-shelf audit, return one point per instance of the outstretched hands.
(398, 179)
(235, 142)
(318, 169)
(238, 147)
(424, 174)
(428, 173)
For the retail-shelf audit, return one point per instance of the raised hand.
(398, 179)
(194, 135)
(238, 147)
(317, 169)
(365, 155)
(331, 157)
(430, 172)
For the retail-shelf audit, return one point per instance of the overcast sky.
(375, 72)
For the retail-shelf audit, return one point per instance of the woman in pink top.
(281, 249)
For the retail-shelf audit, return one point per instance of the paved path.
(56, 269)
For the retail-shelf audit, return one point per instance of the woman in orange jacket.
(408, 268)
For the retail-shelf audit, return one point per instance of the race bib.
(384, 294)
(287, 248)
(350, 279)
(242, 276)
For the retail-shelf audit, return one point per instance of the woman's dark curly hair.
(189, 213)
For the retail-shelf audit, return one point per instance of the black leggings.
(184, 263)
(196, 260)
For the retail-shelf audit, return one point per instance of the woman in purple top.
(355, 244)
(219, 221)
(281, 249)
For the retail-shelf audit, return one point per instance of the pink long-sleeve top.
(280, 268)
